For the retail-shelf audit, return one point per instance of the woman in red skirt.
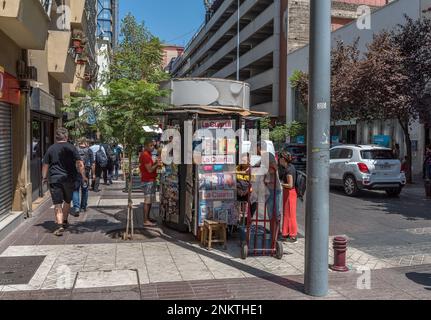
(290, 197)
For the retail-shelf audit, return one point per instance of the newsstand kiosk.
(206, 187)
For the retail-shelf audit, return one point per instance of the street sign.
(382, 140)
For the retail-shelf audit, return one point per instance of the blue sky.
(173, 21)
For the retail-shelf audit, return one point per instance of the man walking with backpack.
(118, 158)
(87, 158)
(60, 171)
(107, 176)
(101, 164)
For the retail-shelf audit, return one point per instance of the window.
(346, 154)
(335, 154)
(377, 155)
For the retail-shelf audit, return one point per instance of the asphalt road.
(382, 226)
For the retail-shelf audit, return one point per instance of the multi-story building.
(170, 54)
(268, 30)
(67, 65)
(24, 25)
(108, 20)
(44, 45)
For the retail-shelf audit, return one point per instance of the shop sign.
(218, 194)
(300, 140)
(383, 141)
(9, 88)
(221, 159)
(217, 124)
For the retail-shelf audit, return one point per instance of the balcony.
(79, 81)
(77, 8)
(61, 63)
(25, 22)
(43, 102)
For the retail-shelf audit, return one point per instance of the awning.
(214, 110)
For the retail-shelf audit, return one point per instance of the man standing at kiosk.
(148, 166)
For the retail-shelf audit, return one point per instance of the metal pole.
(238, 42)
(319, 116)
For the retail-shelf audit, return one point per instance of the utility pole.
(319, 117)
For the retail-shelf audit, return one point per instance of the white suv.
(367, 167)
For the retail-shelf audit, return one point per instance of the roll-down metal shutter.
(5, 159)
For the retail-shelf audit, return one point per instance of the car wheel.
(394, 192)
(350, 186)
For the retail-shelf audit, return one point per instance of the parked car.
(299, 154)
(366, 167)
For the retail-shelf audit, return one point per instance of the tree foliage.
(279, 133)
(391, 81)
(132, 96)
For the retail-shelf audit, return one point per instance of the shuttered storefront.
(5, 159)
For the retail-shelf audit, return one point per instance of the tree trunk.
(129, 198)
(405, 126)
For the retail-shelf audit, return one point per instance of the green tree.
(279, 133)
(391, 81)
(133, 95)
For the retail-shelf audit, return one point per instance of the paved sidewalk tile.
(97, 279)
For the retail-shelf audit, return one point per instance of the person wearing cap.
(287, 173)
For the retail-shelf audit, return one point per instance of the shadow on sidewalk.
(82, 227)
(424, 279)
(411, 205)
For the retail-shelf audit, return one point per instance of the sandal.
(65, 224)
(150, 225)
(59, 231)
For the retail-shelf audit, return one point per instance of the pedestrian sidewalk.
(162, 263)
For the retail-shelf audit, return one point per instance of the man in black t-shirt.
(60, 170)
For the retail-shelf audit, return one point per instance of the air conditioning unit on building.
(26, 73)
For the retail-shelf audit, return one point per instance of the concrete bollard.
(340, 251)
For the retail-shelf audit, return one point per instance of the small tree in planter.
(82, 59)
(132, 97)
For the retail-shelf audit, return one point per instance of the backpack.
(86, 154)
(101, 158)
(112, 157)
(301, 184)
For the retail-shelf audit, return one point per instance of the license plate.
(385, 167)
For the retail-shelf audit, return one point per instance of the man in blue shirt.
(100, 165)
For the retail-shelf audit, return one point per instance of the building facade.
(24, 25)
(39, 67)
(170, 54)
(268, 30)
(354, 132)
